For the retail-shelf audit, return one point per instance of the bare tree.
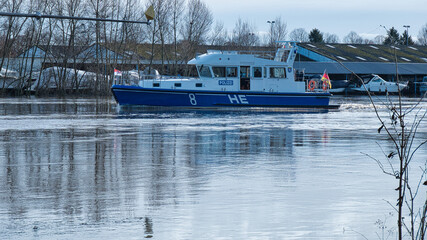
(46, 33)
(219, 35)
(100, 9)
(277, 32)
(244, 34)
(379, 39)
(177, 10)
(163, 12)
(401, 127)
(353, 38)
(422, 35)
(66, 36)
(368, 41)
(330, 38)
(39, 32)
(299, 35)
(196, 25)
(197, 22)
(130, 33)
(12, 27)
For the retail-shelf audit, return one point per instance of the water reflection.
(70, 106)
(72, 167)
(89, 174)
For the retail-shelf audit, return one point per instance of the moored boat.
(228, 79)
(339, 86)
(379, 86)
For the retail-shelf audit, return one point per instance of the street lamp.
(407, 33)
(271, 31)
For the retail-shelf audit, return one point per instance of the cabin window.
(232, 72)
(204, 71)
(277, 72)
(265, 72)
(257, 72)
(219, 72)
(245, 72)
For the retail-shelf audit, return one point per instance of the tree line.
(392, 38)
(180, 27)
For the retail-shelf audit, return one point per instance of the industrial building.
(340, 61)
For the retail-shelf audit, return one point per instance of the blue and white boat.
(228, 79)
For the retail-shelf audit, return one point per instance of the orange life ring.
(311, 85)
(325, 86)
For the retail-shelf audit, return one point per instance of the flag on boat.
(117, 72)
(325, 77)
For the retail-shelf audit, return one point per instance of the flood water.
(87, 169)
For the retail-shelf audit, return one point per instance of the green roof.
(369, 52)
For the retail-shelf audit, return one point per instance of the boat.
(228, 79)
(10, 79)
(339, 86)
(65, 78)
(423, 85)
(379, 86)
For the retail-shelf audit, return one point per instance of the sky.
(338, 17)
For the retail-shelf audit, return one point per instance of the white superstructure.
(234, 71)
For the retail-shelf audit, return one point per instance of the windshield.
(204, 71)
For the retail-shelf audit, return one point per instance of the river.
(85, 168)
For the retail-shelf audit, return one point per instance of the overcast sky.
(329, 16)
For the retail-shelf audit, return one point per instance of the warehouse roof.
(365, 53)
(362, 68)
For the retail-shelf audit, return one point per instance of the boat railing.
(260, 54)
(138, 81)
(316, 85)
(269, 55)
(286, 52)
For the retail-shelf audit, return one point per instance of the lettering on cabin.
(238, 99)
(225, 82)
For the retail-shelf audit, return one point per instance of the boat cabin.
(238, 71)
(234, 71)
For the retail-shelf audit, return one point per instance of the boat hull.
(132, 95)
